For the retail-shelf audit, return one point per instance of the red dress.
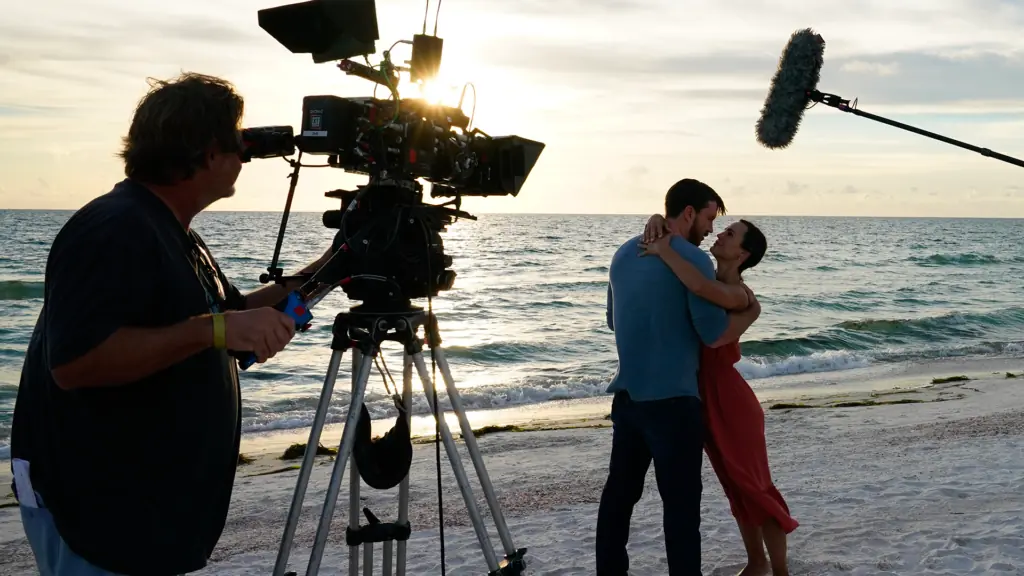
(735, 442)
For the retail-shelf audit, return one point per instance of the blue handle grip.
(295, 307)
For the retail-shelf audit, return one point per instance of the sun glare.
(438, 90)
(435, 91)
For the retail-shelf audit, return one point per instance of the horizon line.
(583, 214)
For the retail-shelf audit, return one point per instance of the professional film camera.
(390, 248)
(388, 251)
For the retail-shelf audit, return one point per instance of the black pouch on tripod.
(385, 461)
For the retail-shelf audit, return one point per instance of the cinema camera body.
(388, 248)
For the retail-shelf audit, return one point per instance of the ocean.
(525, 322)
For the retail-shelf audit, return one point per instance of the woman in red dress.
(733, 417)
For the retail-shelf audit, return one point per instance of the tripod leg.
(353, 479)
(348, 439)
(307, 464)
(474, 453)
(460, 472)
(403, 488)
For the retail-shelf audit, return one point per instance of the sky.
(628, 96)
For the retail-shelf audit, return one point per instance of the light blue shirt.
(659, 324)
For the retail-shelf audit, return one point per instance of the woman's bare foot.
(757, 562)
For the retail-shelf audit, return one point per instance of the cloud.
(10, 111)
(609, 62)
(638, 171)
(795, 189)
(892, 78)
(117, 40)
(803, 190)
(715, 94)
(619, 90)
(79, 55)
(868, 27)
(923, 78)
(878, 68)
(576, 6)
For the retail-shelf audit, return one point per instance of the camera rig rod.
(274, 272)
(298, 303)
(385, 76)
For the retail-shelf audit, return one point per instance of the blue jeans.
(53, 557)
(669, 432)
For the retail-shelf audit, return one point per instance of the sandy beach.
(924, 479)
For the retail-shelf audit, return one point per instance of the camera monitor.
(327, 29)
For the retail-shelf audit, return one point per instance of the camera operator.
(127, 423)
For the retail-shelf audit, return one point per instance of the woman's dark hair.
(175, 124)
(754, 243)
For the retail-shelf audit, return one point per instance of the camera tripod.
(363, 332)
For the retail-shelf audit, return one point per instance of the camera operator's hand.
(263, 331)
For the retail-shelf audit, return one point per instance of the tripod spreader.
(377, 531)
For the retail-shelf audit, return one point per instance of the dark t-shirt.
(138, 477)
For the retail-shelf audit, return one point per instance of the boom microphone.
(795, 86)
(797, 76)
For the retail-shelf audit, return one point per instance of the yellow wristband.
(219, 336)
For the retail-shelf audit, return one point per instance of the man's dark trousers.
(671, 432)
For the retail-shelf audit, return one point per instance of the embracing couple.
(677, 323)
